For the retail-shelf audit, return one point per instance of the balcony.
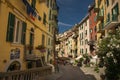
(100, 17)
(53, 20)
(96, 10)
(75, 35)
(55, 11)
(57, 42)
(91, 42)
(112, 23)
(40, 1)
(100, 28)
(36, 55)
(30, 74)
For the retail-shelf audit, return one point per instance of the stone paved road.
(69, 72)
(74, 73)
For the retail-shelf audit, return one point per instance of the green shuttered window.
(23, 33)
(10, 29)
(16, 30)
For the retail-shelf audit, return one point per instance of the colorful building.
(93, 28)
(112, 15)
(27, 28)
(84, 35)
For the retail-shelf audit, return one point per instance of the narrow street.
(69, 72)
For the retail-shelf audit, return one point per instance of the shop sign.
(15, 53)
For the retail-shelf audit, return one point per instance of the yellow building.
(26, 33)
(112, 15)
(107, 16)
(100, 10)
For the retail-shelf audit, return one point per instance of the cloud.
(64, 24)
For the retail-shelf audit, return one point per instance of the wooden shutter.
(10, 27)
(23, 40)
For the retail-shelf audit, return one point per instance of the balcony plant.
(108, 50)
(41, 48)
(29, 47)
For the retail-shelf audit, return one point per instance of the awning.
(63, 58)
(78, 57)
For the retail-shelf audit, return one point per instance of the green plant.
(96, 69)
(109, 52)
(41, 48)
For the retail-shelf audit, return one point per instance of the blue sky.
(71, 12)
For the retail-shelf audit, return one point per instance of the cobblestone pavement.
(90, 70)
(69, 72)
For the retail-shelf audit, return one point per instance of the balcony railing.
(35, 55)
(96, 9)
(100, 17)
(31, 74)
(113, 22)
(40, 1)
(55, 10)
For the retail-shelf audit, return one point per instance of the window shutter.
(23, 33)
(10, 28)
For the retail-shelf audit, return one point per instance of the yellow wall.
(38, 26)
(102, 4)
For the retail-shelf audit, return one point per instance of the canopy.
(78, 57)
(63, 58)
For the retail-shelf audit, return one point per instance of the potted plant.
(29, 47)
(108, 50)
(41, 48)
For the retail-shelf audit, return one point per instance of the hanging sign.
(15, 53)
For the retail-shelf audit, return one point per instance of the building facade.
(84, 35)
(26, 32)
(93, 28)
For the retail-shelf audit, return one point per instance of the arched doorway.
(14, 66)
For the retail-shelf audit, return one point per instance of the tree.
(108, 50)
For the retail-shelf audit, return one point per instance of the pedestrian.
(56, 66)
(64, 63)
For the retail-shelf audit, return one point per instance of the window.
(86, 41)
(82, 35)
(95, 18)
(51, 42)
(95, 29)
(107, 3)
(44, 18)
(95, 37)
(43, 40)
(113, 2)
(108, 17)
(86, 50)
(86, 32)
(48, 41)
(50, 3)
(82, 51)
(91, 30)
(49, 27)
(31, 36)
(33, 4)
(90, 22)
(115, 12)
(102, 12)
(82, 27)
(82, 42)
(50, 15)
(16, 30)
(47, 2)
